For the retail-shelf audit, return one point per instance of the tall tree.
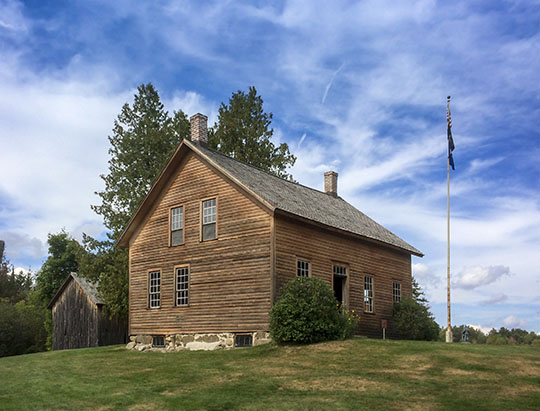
(13, 286)
(418, 294)
(62, 260)
(243, 132)
(144, 137)
(63, 257)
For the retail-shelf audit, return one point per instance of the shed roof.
(278, 194)
(89, 287)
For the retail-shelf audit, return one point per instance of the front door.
(340, 284)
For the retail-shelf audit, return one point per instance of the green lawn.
(353, 374)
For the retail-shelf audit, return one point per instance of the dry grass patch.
(351, 384)
(144, 406)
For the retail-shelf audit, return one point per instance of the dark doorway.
(340, 284)
(338, 287)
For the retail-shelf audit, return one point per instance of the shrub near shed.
(307, 312)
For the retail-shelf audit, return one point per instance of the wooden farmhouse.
(78, 319)
(215, 239)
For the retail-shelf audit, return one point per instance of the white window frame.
(176, 224)
(369, 306)
(396, 292)
(209, 216)
(154, 288)
(181, 281)
(303, 267)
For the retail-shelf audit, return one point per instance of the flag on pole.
(451, 145)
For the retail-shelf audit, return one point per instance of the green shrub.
(414, 321)
(307, 312)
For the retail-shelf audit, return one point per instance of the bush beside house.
(307, 312)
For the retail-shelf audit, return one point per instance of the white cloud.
(496, 299)
(20, 246)
(477, 276)
(485, 330)
(191, 103)
(425, 276)
(513, 322)
(22, 271)
(11, 17)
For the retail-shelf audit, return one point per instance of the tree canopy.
(62, 260)
(243, 132)
(144, 137)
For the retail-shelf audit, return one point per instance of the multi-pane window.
(158, 341)
(340, 271)
(177, 225)
(302, 268)
(396, 292)
(368, 294)
(154, 290)
(182, 286)
(209, 214)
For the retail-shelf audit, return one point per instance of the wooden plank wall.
(75, 319)
(111, 330)
(230, 279)
(324, 249)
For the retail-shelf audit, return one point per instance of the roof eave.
(161, 181)
(131, 227)
(59, 292)
(412, 251)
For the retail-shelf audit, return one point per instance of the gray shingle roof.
(305, 202)
(88, 286)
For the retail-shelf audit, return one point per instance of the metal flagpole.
(449, 327)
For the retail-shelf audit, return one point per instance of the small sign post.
(384, 325)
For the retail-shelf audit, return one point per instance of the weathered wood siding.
(75, 319)
(230, 279)
(113, 330)
(79, 323)
(325, 248)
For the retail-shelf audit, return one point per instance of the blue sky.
(358, 87)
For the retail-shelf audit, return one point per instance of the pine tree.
(243, 132)
(144, 137)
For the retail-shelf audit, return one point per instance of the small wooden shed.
(78, 318)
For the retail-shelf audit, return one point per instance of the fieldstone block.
(131, 345)
(207, 338)
(143, 339)
(203, 346)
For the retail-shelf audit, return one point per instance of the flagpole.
(449, 338)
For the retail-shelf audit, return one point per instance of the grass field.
(353, 374)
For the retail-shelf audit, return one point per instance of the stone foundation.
(193, 342)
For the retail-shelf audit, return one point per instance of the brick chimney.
(199, 129)
(330, 183)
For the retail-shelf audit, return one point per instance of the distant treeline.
(500, 337)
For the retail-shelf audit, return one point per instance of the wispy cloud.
(473, 277)
(378, 119)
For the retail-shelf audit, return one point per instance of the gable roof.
(89, 287)
(277, 194)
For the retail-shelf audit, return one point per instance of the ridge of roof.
(274, 193)
(258, 168)
(303, 201)
(89, 287)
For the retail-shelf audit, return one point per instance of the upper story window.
(209, 218)
(368, 294)
(182, 285)
(154, 289)
(302, 268)
(396, 292)
(177, 225)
